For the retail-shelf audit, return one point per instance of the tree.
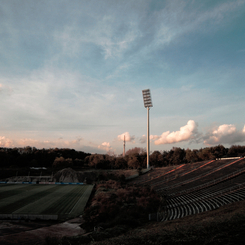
(120, 162)
(133, 161)
(205, 154)
(178, 156)
(156, 159)
(94, 159)
(62, 162)
(236, 150)
(78, 162)
(191, 156)
(135, 150)
(219, 151)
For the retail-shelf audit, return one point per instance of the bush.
(117, 204)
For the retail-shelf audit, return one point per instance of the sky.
(72, 74)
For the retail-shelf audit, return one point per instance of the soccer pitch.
(37, 201)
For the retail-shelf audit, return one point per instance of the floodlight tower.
(147, 103)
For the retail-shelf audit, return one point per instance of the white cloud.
(5, 142)
(102, 32)
(79, 144)
(59, 143)
(225, 134)
(5, 89)
(185, 133)
(154, 137)
(128, 137)
(179, 18)
(143, 138)
(46, 98)
(105, 146)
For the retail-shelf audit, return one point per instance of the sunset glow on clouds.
(5, 142)
(225, 134)
(126, 136)
(105, 146)
(72, 73)
(185, 133)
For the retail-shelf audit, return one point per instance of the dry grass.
(222, 226)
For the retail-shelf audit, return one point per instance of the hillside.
(202, 203)
(223, 226)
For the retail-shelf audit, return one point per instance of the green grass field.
(65, 201)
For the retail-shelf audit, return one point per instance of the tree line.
(134, 158)
(33, 157)
(137, 157)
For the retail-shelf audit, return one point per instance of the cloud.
(225, 134)
(5, 89)
(187, 132)
(105, 146)
(5, 142)
(78, 144)
(128, 137)
(39, 100)
(142, 139)
(59, 143)
(107, 35)
(179, 18)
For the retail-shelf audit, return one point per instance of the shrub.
(118, 204)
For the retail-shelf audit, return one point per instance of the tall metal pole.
(147, 103)
(148, 140)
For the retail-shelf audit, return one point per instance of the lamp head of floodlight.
(147, 98)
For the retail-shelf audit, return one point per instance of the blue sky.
(72, 73)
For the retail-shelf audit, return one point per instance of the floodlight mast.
(147, 103)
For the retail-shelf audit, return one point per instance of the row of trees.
(33, 157)
(134, 158)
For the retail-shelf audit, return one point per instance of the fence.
(29, 216)
(42, 183)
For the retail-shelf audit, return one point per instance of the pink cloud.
(5, 142)
(105, 146)
(185, 133)
(128, 137)
(225, 134)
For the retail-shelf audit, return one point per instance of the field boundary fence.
(43, 183)
(28, 217)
